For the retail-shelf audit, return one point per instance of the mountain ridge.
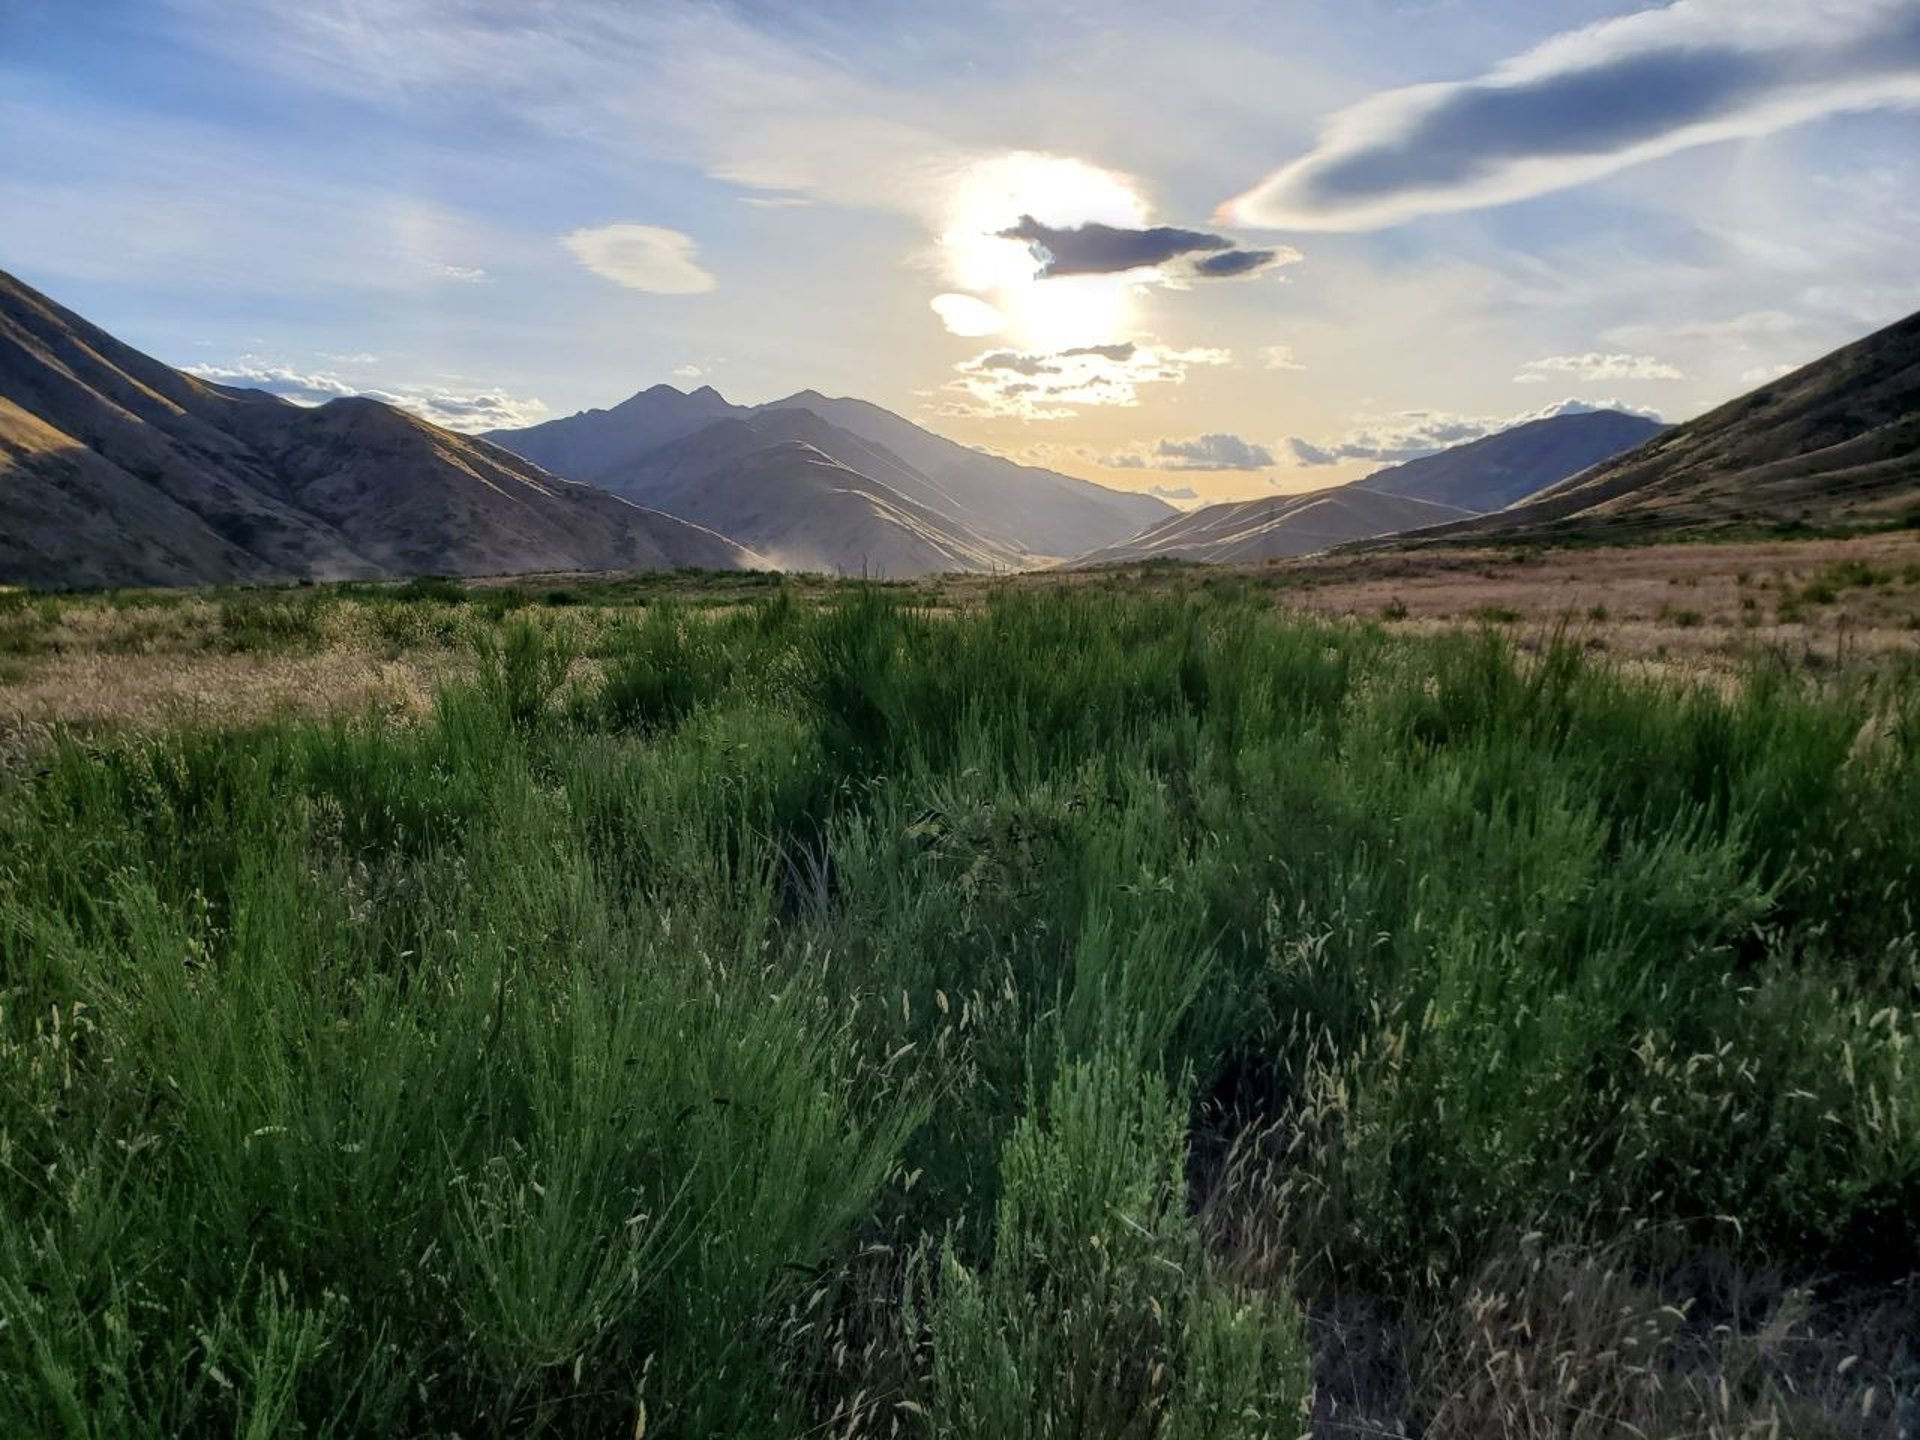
(118, 469)
(1835, 443)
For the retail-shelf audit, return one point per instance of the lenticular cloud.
(1591, 102)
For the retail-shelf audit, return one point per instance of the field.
(1115, 1005)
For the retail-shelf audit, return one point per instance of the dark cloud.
(1309, 454)
(1202, 452)
(1119, 354)
(1019, 364)
(1095, 249)
(1229, 264)
(1592, 101)
(1176, 492)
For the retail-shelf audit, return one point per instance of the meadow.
(1077, 1014)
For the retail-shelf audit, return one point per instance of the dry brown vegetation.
(1825, 599)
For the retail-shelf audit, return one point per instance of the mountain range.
(117, 469)
(933, 504)
(1452, 486)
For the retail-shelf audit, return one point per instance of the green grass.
(836, 1019)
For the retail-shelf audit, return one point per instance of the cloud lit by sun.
(1000, 275)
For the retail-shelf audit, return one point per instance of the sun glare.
(1041, 315)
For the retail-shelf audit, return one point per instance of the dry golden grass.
(1667, 602)
(137, 691)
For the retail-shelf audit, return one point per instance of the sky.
(1210, 251)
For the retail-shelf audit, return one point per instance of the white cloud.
(641, 257)
(688, 372)
(1279, 357)
(449, 409)
(1595, 366)
(467, 274)
(1175, 492)
(1590, 102)
(1216, 451)
(1410, 434)
(1761, 374)
(1057, 384)
(967, 315)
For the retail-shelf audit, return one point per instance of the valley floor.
(144, 658)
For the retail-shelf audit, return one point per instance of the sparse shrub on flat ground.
(1087, 1016)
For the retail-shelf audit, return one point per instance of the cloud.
(1231, 264)
(1097, 249)
(447, 408)
(250, 372)
(967, 315)
(1761, 374)
(1598, 367)
(1590, 102)
(1411, 434)
(1175, 492)
(1053, 385)
(1202, 452)
(640, 257)
(1016, 362)
(1279, 357)
(467, 274)
(688, 372)
(776, 202)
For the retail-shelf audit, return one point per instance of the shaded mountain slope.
(1277, 528)
(118, 469)
(1494, 472)
(1836, 443)
(1038, 512)
(805, 510)
(699, 476)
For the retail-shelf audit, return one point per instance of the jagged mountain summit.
(116, 469)
(975, 510)
(1451, 486)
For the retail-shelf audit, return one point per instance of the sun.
(990, 196)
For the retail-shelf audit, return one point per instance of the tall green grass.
(829, 1020)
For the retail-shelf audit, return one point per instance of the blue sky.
(1330, 233)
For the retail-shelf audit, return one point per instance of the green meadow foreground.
(1071, 1014)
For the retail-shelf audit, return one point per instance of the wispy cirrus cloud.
(1595, 366)
(450, 409)
(650, 258)
(1411, 434)
(1590, 102)
(1216, 451)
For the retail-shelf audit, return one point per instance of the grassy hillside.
(1078, 1016)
